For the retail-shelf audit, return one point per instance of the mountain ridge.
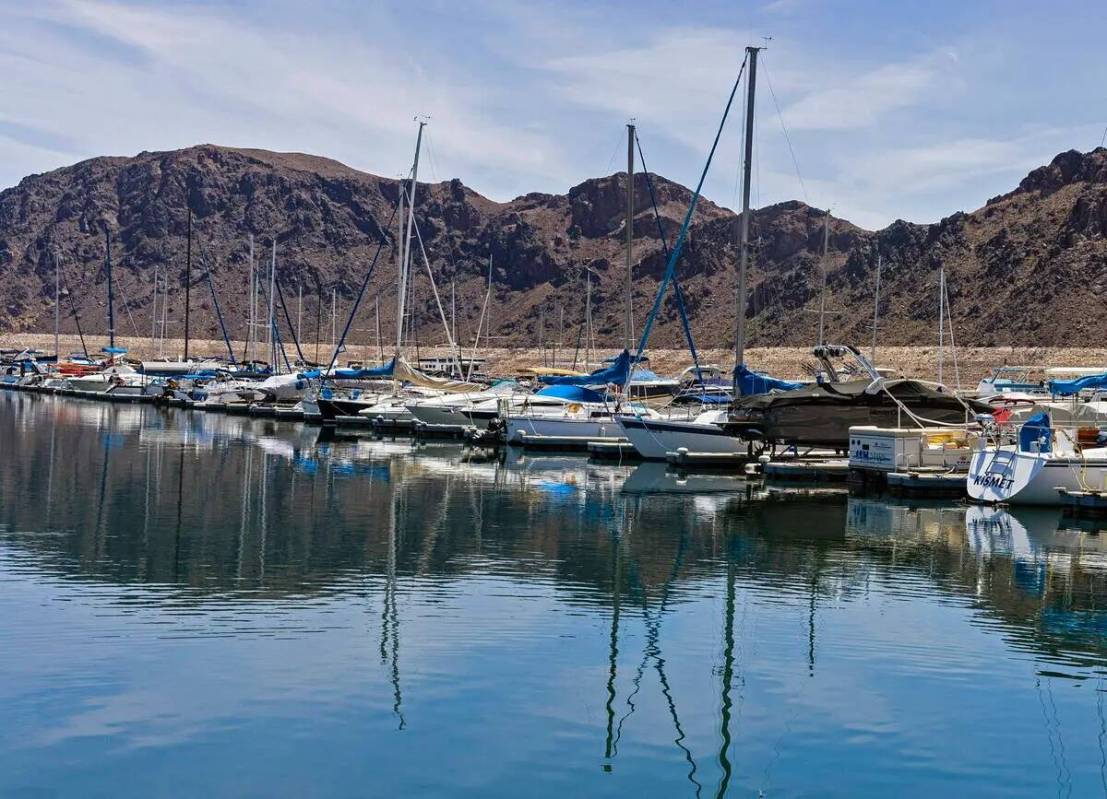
(1043, 245)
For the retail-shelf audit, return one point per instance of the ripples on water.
(211, 605)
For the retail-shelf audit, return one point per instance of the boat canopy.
(115, 350)
(571, 393)
(751, 382)
(617, 373)
(1066, 387)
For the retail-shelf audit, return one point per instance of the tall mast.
(405, 265)
(629, 324)
(188, 282)
(377, 315)
(822, 291)
(111, 291)
(876, 309)
(299, 309)
(57, 305)
(744, 224)
(253, 306)
(941, 318)
(334, 310)
(588, 319)
(453, 310)
(272, 317)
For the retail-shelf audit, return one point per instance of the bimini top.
(571, 393)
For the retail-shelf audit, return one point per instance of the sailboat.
(653, 439)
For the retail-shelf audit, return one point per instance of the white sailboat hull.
(602, 427)
(1006, 475)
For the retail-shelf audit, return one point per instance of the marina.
(552, 400)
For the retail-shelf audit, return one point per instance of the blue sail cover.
(572, 393)
(1035, 429)
(1065, 387)
(359, 374)
(617, 373)
(751, 382)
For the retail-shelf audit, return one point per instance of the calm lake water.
(212, 606)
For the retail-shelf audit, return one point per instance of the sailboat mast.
(188, 283)
(111, 291)
(822, 290)
(405, 266)
(588, 320)
(253, 306)
(876, 309)
(941, 318)
(629, 300)
(272, 317)
(57, 306)
(743, 258)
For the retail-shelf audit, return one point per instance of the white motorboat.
(655, 437)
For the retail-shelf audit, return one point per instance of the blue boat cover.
(1065, 387)
(644, 374)
(115, 350)
(311, 375)
(617, 373)
(1035, 429)
(358, 374)
(751, 382)
(573, 393)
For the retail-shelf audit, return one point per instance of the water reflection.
(615, 629)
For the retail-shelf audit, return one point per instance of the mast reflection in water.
(196, 604)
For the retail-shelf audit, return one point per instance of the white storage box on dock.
(890, 449)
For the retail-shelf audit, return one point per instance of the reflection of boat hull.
(1029, 478)
(655, 438)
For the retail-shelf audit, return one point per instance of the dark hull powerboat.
(821, 415)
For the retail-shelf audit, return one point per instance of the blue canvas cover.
(1036, 428)
(360, 374)
(751, 382)
(617, 374)
(1066, 387)
(572, 393)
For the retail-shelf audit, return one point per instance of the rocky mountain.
(1030, 267)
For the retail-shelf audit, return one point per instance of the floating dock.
(815, 470)
(1083, 503)
(695, 461)
(616, 450)
(560, 443)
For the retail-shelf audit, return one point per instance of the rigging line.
(787, 138)
(364, 284)
(215, 300)
(679, 294)
(276, 330)
(288, 320)
(670, 268)
(438, 301)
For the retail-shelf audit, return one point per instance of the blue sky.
(894, 109)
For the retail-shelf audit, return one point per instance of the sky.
(877, 110)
